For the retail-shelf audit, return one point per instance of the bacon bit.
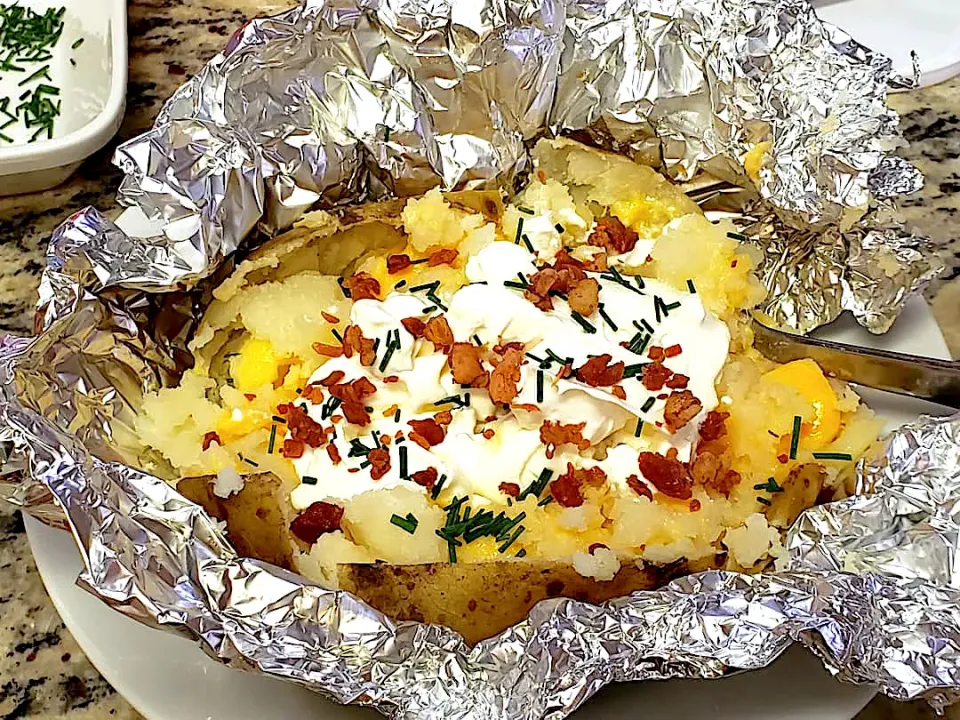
(466, 365)
(398, 263)
(352, 395)
(328, 350)
(505, 376)
(501, 349)
(420, 440)
(694, 505)
(726, 482)
(639, 487)
(598, 263)
(332, 319)
(391, 379)
(428, 430)
(541, 176)
(649, 258)
(414, 326)
(596, 546)
(362, 286)
(783, 458)
(539, 286)
(511, 489)
(488, 433)
(391, 411)
(209, 438)
(655, 375)
(385, 440)
(567, 489)
(714, 425)
(598, 371)
(354, 342)
(682, 406)
(667, 474)
(618, 392)
(663, 396)
(565, 273)
(678, 381)
(250, 396)
(444, 417)
(613, 235)
(353, 470)
(733, 263)
(438, 331)
(704, 468)
(445, 256)
(672, 351)
(427, 478)
(313, 393)
(333, 378)
(554, 434)
(334, 454)
(565, 371)
(528, 407)
(379, 463)
(584, 297)
(655, 352)
(292, 448)
(303, 428)
(318, 519)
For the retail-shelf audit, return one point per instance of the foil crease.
(338, 102)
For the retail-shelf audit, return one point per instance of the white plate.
(169, 678)
(931, 28)
(93, 94)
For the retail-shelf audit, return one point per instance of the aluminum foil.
(338, 102)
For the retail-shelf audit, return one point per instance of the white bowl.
(93, 95)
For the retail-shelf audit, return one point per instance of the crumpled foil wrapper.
(338, 102)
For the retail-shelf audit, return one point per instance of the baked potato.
(455, 407)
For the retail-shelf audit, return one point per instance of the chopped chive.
(432, 286)
(526, 241)
(48, 89)
(647, 404)
(538, 485)
(516, 239)
(646, 326)
(273, 439)
(660, 307)
(77, 43)
(365, 464)
(391, 347)
(832, 456)
(376, 438)
(42, 72)
(525, 210)
(633, 370)
(403, 461)
(435, 493)
(539, 386)
(639, 281)
(537, 359)
(408, 524)
(454, 400)
(396, 415)
(73, 62)
(583, 322)
(343, 288)
(452, 553)
(308, 480)
(606, 318)
(763, 501)
(639, 429)
(6, 138)
(795, 437)
(521, 553)
(736, 236)
(514, 284)
(337, 335)
(476, 339)
(250, 462)
(278, 419)
(516, 533)
(691, 287)
(419, 261)
(559, 228)
(546, 501)
(399, 284)
(770, 486)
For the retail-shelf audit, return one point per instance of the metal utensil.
(927, 378)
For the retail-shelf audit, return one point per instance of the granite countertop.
(43, 673)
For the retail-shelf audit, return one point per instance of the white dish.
(931, 28)
(169, 678)
(92, 95)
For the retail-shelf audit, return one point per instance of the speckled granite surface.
(43, 674)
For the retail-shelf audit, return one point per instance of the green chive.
(517, 533)
(763, 501)
(559, 228)
(526, 241)
(647, 404)
(832, 456)
(343, 289)
(795, 438)
(770, 486)
(521, 553)
(435, 493)
(607, 318)
(660, 307)
(476, 339)
(633, 370)
(432, 286)
(248, 461)
(546, 501)
(77, 44)
(639, 429)
(48, 89)
(514, 284)
(42, 72)
(403, 461)
(736, 236)
(399, 284)
(408, 524)
(308, 480)
(273, 439)
(539, 386)
(396, 415)
(583, 322)
(516, 239)
(524, 210)
(691, 287)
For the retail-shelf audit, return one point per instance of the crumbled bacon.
(501, 348)
(681, 407)
(292, 449)
(362, 286)
(678, 381)
(639, 487)
(438, 331)
(466, 365)
(618, 392)
(598, 371)
(444, 417)
(333, 453)
(505, 376)
(596, 546)
(391, 379)
(379, 462)
(725, 482)
(584, 297)
(426, 478)
(352, 395)
(554, 434)
(598, 263)
(398, 263)
(332, 319)
(694, 505)
(414, 326)
(318, 519)
(327, 350)
(445, 256)
(354, 343)
(208, 438)
(667, 474)
(567, 489)
(613, 235)
(511, 489)
(250, 396)
(655, 375)
(333, 378)
(303, 428)
(655, 352)
(428, 431)
(488, 433)
(704, 468)
(714, 425)
(672, 351)
(561, 277)
(783, 458)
